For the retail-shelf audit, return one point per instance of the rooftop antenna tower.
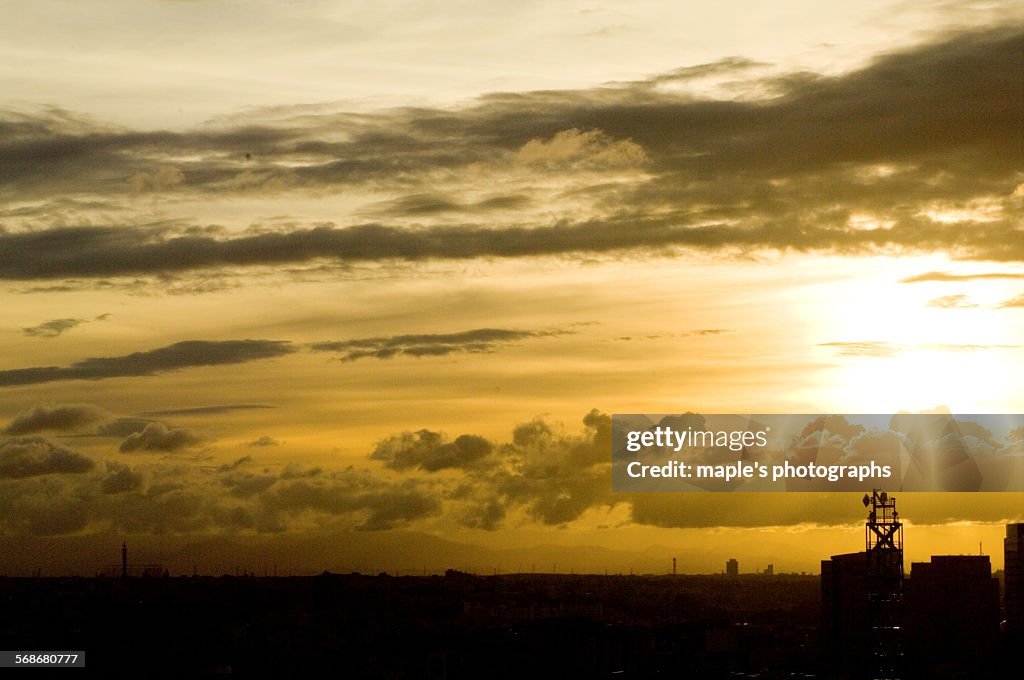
(883, 536)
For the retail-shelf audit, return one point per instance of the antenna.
(884, 548)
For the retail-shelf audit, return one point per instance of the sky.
(273, 270)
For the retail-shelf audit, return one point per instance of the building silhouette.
(952, 617)
(127, 570)
(1013, 576)
(732, 568)
(940, 622)
(845, 623)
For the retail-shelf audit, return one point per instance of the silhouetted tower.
(673, 566)
(124, 559)
(883, 535)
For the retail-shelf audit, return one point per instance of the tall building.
(952, 617)
(732, 568)
(1013, 575)
(862, 599)
(845, 620)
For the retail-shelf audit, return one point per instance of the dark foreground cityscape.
(862, 618)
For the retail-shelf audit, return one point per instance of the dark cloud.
(120, 479)
(101, 251)
(552, 476)
(708, 510)
(263, 441)
(246, 484)
(476, 341)
(543, 473)
(41, 506)
(204, 410)
(195, 353)
(931, 451)
(57, 327)
(296, 471)
(437, 204)
(228, 467)
(560, 475)
(430, 451)
(122, 427)
(180, 355)
(159, 437)
(382, 505)
(60, 418)
(907, 141)
(715, 68)
(32, 456)
(51, 329)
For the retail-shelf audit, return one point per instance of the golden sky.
(276, 268)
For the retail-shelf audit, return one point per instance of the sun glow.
(898, 347)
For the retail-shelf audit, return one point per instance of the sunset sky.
(271, 269)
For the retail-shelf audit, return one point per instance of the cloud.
(180, 355)
(932, 451)
(60, 418)
(120, 479)
(57, 327)
(196, 353)
(164, 177)
(551, 476)
(916, 152)
(867, 348)
(32, 456)
(875, 348)
(296, 471)
(1013, 302)
(543, 473)
(159, 437)
(228, 467)
(952, 302)
(382, 505)
(102, 251)
(710, 331)
(945, 276)
(204, 410)
(479, 340)
(51, 329)
(122, 427)
(437, 204)
(588, 148)
(263, 441)
(965, 347)
(246, 484)
(715, 68)
(879, 348)
(430, 451)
